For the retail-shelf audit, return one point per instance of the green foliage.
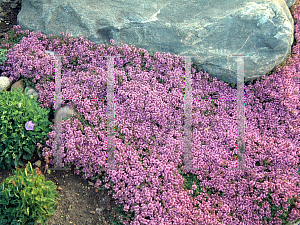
(16, 110)
(26, 198)
(28, 82)
(3, 57)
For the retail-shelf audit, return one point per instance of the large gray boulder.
(210, 30)
(290, 3)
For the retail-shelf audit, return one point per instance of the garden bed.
(80, 202)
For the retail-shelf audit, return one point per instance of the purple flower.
(29, 125)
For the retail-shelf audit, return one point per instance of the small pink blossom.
(29, 125)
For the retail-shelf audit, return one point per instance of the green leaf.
(3, 120)
(27, 211)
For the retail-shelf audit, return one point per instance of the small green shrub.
(23, 124)
(26, 198)
(3, 57)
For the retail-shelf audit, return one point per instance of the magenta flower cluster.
(149, 115)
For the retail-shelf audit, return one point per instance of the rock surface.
(290, 3)
(210, 30)
(4, 83)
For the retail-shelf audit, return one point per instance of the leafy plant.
(26, 198)
(17, 111)
(3, 57)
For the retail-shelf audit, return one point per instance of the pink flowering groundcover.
(149, 132)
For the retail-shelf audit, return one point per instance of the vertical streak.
(110, 114)
(57, 105)
(188, 158)
(240, 109)
(240, 112)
